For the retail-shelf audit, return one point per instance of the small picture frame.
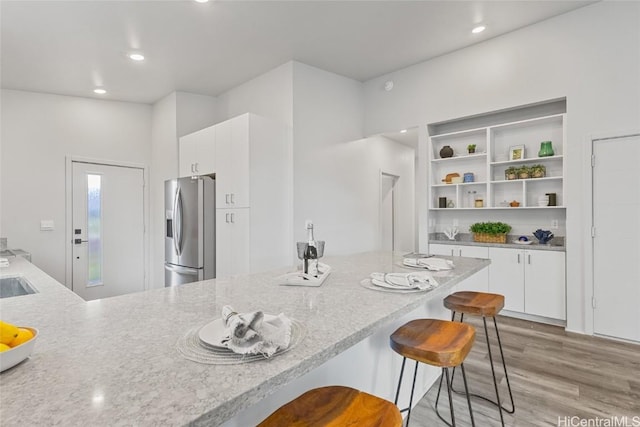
(516, 152)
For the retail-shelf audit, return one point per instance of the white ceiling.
(70, 47)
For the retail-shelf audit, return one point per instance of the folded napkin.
(403, 281)
(4, 262)
(251, 333)
(434, 264)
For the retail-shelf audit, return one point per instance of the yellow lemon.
(4, 347)
(8, 332)
(24, 335)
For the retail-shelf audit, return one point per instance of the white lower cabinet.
(479, 282)
(532, 281)
(233, 242)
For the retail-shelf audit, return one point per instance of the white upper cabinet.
(197, 153)
(499, 150)
(232, 163)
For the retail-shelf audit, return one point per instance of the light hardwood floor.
(555, 375)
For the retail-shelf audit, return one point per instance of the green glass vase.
(546, 149)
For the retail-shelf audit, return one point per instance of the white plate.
(520, 242)
(214, 332)
(10, 358)
(367, 283)
(432, 264)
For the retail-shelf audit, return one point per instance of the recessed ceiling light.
(201, 1)
(478, 29)
(136, 56)
(99, 91)
(403, 131)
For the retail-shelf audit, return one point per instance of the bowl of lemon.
(16, 344)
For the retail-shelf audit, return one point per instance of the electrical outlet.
(455, 222)
(554, 224)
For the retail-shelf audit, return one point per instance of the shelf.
(546, 178)
(461, 184)
(454, 158)
(498, 208)
(529, 160)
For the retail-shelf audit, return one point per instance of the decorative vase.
(471, 150)
(546, 149)
(446, 151)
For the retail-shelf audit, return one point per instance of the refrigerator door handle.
(177, 222)
(181, 270)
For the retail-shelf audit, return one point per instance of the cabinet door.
(473, 251)
(506, 277)
(206, 152)
(187, 153)
(232, 242)
(232, 163)
(479, 282)
(545, 284)
(439, 249)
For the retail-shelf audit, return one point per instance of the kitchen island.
(114, 361)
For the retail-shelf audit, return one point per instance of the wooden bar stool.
(335, 406)
(486, 305)
(438, 343)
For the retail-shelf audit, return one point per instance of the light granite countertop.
(557, 243)
(114, 362)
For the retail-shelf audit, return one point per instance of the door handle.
(226, 218)
(232, 219)
(518, 258)
(529, 259)
(232, 202)
(226, 198)
(79, 241)
(197, 167)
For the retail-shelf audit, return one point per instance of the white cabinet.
(251, 158)
(532, 281)
(232, 162)
(232, 242)
(197, 153)
(479, 282)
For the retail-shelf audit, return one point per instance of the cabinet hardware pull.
(226, 198)
(529, 258)
(232, 202)
(226, 218)
(197, 167)
(232, 219)
(518, 258)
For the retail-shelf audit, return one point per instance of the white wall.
(590, 56)
(38, 131)
(195, 112)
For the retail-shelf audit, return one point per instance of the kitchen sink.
(13, 286)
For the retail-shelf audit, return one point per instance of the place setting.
(241, 338)
(400, 282)
(426, 262)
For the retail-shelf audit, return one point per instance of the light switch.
(46, 225)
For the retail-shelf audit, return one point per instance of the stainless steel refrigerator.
(190, 237)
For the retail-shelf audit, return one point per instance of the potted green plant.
(511, 173)
(471, 148)
(524, 172)
(538, 171)
(490, 232)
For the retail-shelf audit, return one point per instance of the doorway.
(107, 227)
(387, 211)
(616, 236)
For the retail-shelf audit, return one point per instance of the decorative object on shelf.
(471, 148)
(543, 236)
(504, 204)
(490, 232)
(468, 177)
(538, 171)
(546, 149)
(471, 196)
(451, 233)
(446, 152)
(511, 173)
(450, 176)
(514, 204)
(516, 152)
(523, 172)
(451, 204)
(543, 201)
(552, 199)
(456, 180)
(478, 203)
(523, 238)
(442, 202)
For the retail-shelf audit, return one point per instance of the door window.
(94, 229)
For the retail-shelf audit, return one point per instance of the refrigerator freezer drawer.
(177, 275)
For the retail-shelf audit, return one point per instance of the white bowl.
(10, 358)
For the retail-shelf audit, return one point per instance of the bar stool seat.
(486, 305)
(335, 406)
(439, 343)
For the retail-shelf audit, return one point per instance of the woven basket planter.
(490, 238)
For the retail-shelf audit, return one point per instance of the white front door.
(107, 230)
(616, 245)
(387, 212)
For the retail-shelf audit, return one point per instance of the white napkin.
(434, 264)
(250, 333)
(4, 262)
(403, 281)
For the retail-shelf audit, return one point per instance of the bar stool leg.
(493, 372)
(445, 373)
(413, 386)
(504, 366)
